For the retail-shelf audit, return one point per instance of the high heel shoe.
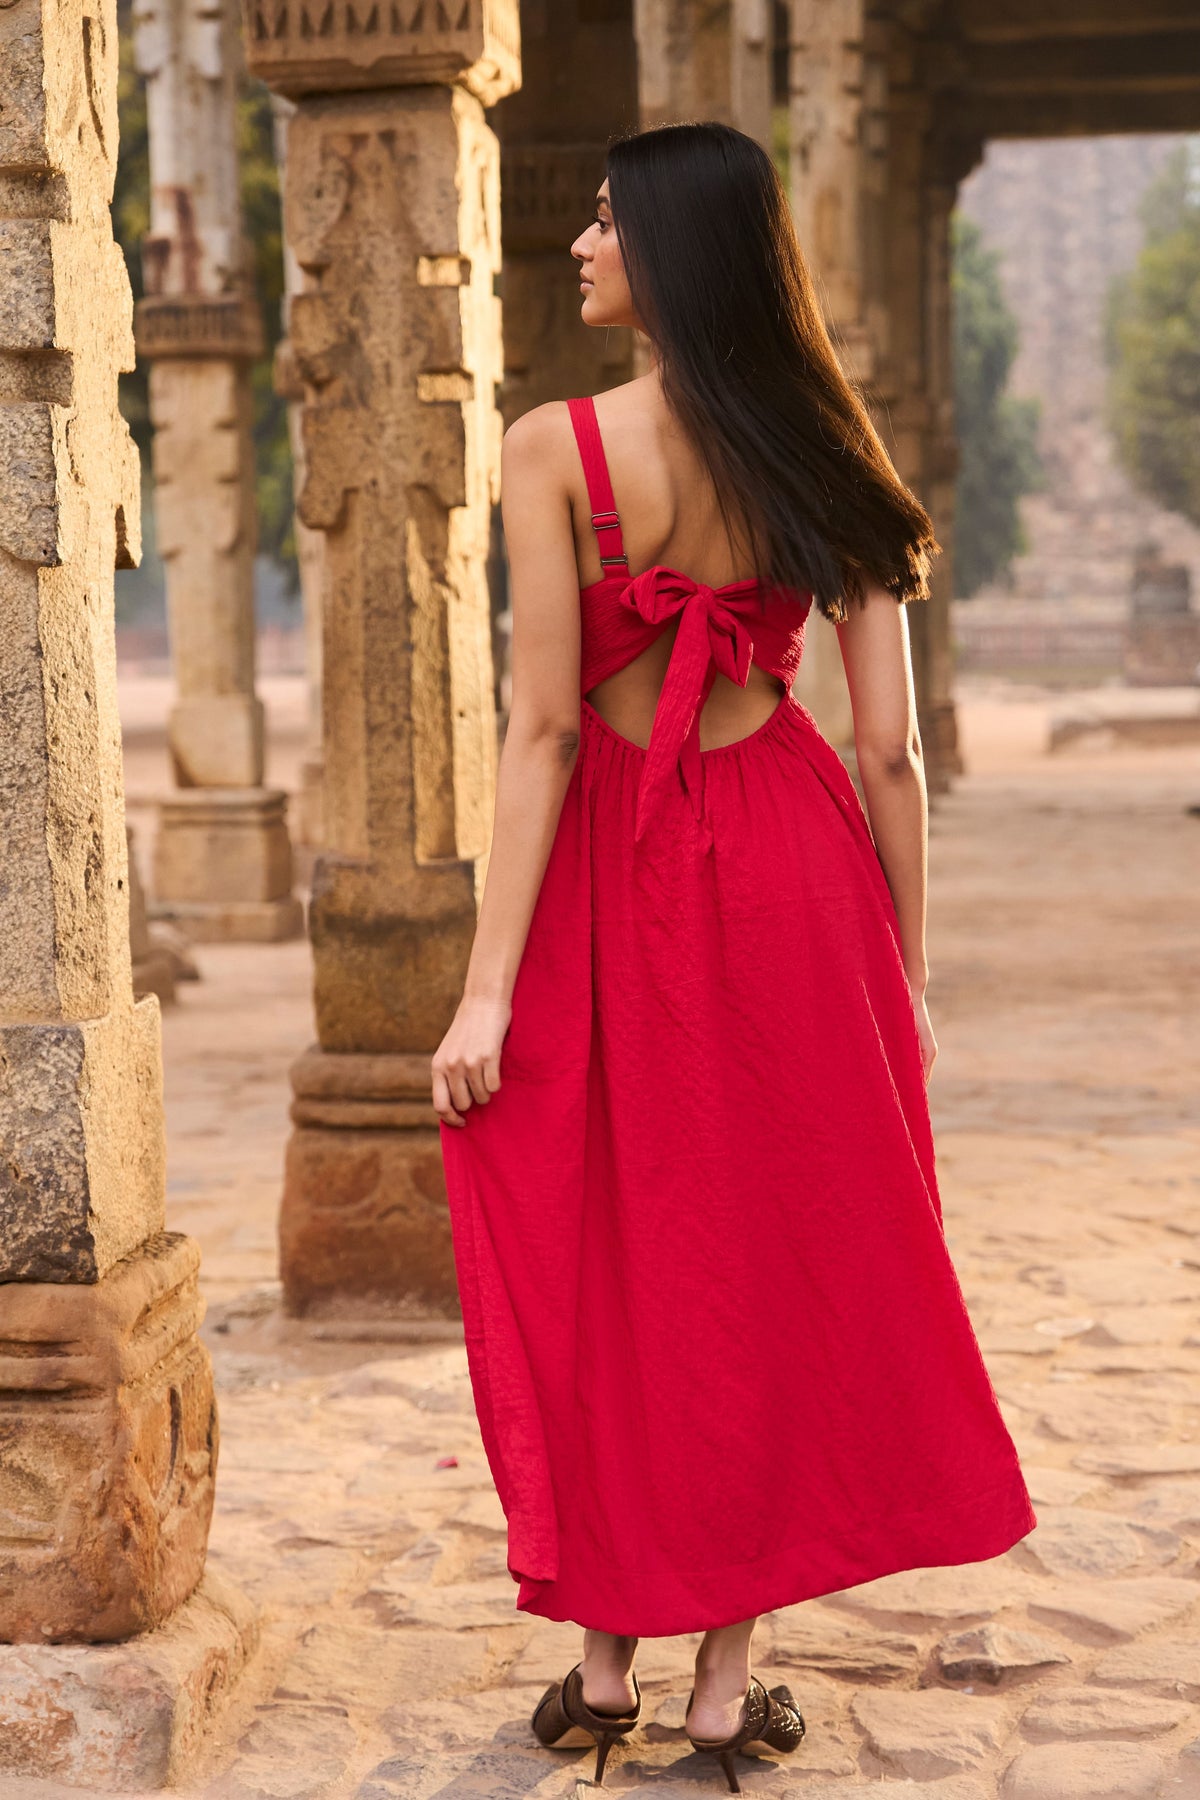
(772, 1717)
(563, 1705)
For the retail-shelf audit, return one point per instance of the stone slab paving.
(394, 1665)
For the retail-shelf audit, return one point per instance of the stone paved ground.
(1064, 935)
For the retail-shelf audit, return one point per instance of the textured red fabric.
(719, 1351)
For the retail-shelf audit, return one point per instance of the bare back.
(669, 515)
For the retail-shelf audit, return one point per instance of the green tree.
(997, 431)
(1152, 343)
(262, 224)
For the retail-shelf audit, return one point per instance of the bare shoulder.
(539, 436)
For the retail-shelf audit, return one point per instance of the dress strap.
(605, 520)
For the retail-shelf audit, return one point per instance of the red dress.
(719, 1352)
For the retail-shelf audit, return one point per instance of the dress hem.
(785, 1580)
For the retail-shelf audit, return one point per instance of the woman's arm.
(540, 747)
(875, 655)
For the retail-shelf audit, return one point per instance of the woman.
(720, 1356)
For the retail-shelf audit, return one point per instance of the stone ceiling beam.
(1162, 62)
(1031, 20)
(1069, 115)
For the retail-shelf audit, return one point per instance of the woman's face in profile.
(605, 291)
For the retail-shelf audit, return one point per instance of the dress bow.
(711, 639)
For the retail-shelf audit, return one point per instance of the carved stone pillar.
(308, 825)
(703, 59)
(392, 208)
(872, 201)
(706, 59)
(933, 652)
(579, 88)
(223, 860)
(107, 1421)
(911, 258)
(831, 147)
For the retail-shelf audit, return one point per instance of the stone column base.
(130, 1716)
(108, 1429)
(234, 921)
(223, 864)
(364, 1221)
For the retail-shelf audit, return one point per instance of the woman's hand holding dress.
(466, 1066)
(929, 1048)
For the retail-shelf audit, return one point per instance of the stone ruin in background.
(1162, 633)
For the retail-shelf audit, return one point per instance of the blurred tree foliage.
(263, 228)
(997, 432)
(1152, 343)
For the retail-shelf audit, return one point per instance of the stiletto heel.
(604, 1744)
(563, 1705)
(772, 1718)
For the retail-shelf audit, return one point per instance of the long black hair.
(748, 368)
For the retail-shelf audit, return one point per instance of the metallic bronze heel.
(563, 1705)
(772, 1718)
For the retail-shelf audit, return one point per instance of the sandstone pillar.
(223, 860)
(872, 189)
(579, 88)
(703, 59)
(392, 208)
(108, 1436)
(910, 255)
(834, 142)
(308, 823)
(706, 59)
(933, 650)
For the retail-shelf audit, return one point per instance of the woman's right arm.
(540, 747)
(878, 664)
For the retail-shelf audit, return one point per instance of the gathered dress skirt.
(720, 1354)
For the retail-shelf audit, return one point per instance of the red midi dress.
(719, 1352)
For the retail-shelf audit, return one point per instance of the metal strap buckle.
(605, 521)
(605, 560)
